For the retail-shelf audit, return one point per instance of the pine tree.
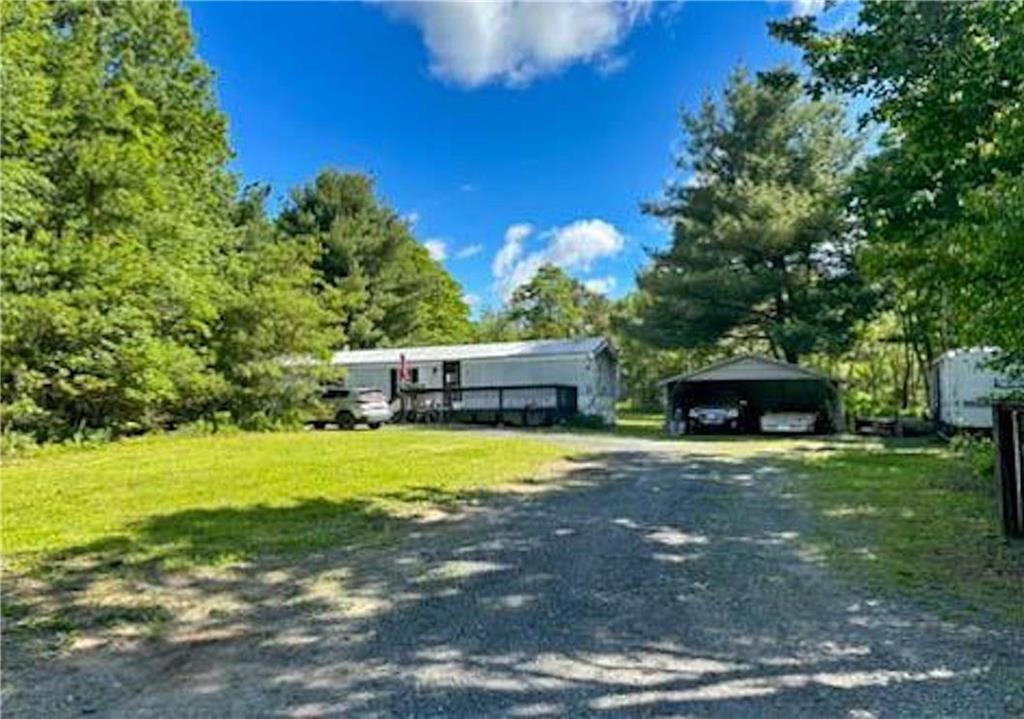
(762, 242)
(380, 281)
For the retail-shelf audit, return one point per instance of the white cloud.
(473, 301)
(582, 242)
(806, 7)
(611, 65)
(512, 250)
(476, 43)
(469, 251)
(518, 232)
(411, 218)
(600, 285)
(574, 246)
(437, 248)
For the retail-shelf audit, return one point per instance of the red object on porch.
(403, 369)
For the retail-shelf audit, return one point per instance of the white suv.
(349, 407)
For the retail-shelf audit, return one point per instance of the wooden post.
(1007, 431)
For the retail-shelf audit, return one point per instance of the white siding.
(547, 370)
(606, 391)
(379, 375)
(367, 376)
(595, 389)
(965, 388)
(596, 378)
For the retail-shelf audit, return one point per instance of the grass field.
(185, 500)
(912, 519)
(93, 537)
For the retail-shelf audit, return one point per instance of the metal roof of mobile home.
(746, 368)
(489, 350)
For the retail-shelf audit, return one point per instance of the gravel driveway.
(652, 582)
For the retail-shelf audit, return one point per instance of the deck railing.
(521, 405)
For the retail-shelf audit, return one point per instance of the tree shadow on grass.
(88, 587)
(116, 581)
(652, 583)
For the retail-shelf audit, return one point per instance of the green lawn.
(186, 500)
(116, 540)
(911, 518)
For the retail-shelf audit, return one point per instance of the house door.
(452, 378)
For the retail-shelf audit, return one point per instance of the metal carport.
(764, 385)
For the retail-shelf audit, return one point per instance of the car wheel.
(374, 425)
(346, 420)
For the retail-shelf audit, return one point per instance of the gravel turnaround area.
(652, 581)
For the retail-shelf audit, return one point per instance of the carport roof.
(748, 368)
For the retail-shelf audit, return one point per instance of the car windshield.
(371, 395)
(722, 403)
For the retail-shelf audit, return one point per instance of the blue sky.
(510, 135)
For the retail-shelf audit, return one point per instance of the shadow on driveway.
(651, 582)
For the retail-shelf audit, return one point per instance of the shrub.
(587, 421)
(13, 444)
(979, 459)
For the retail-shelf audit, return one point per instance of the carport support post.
(501, 405)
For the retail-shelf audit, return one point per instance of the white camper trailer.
(963, 387)
(588, 364)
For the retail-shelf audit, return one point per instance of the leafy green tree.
(123, 271)
(554, 305)
(25, 138)
(642, 366)
(763, 245)
(494, 325)
(270, 311)
(381, 282)
(941, 198)
(881, 376)
(111, 257)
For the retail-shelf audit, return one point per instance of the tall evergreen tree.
(382, 283)
(270, 310)
(762, 242)
(25, 135)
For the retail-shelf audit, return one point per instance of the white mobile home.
(588, 364)
(964, 385)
